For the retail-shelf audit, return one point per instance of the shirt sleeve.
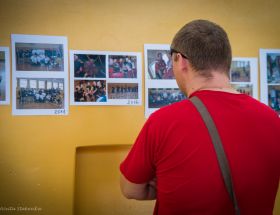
(138, 167)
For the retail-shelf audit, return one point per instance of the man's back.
(181, 153)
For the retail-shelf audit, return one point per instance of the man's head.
(205, 45)
(159, 55)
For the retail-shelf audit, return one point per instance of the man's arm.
(146, 191)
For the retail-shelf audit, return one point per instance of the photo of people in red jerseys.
(159, 64)
(89, 66)
(240, 71)
(159, 97)
(122, 66)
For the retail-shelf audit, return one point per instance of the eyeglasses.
(175, 51)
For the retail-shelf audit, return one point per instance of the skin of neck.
(190, 81)
(219, 81)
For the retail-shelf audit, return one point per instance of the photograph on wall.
(89, 66)
(122, 66)
(4, 76)
(90, 91)
(123, 90)
(273, 68)
(39, 57)
(240, 71)
(270, 77)
(110, 78)
(40, 93)
(274, 97)
(159, 63)
(40, 75)
(161, 88)
(160, 97)
(244, 75)
(244, 88)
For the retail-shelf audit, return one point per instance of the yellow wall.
(97, 186)
(37, 153)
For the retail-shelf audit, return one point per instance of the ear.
(183, 63)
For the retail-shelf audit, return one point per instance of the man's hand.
(145, 191)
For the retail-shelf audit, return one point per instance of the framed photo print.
(40, 75)
(270, 78)
(160, 85)
(4, 76)
(244, 76)
(105, 78)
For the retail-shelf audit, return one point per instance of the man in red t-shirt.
(173, 159)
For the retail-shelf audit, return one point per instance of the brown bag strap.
(221, 156)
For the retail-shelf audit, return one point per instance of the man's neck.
(218, 82)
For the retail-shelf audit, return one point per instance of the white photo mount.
(249, 83)
(38, 59)
(157, 81)
(270, 78)
(119, 88)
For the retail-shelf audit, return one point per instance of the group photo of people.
(89, 66)
(39, 57)
(123, 90)
(40, 93)
(159, 97)
(90, 91)
(160, 64)
(244, 88)
(240, 71)
(273, 68)
(274, 97)
(121, 66)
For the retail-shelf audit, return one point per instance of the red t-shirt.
(175, 147)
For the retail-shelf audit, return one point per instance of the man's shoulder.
(262, 109)
(172, 111)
